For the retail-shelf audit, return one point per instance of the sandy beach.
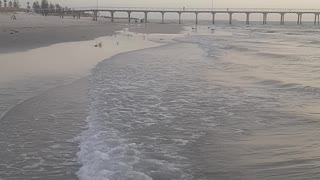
(33, 31)
(97, 100)
(43, 87)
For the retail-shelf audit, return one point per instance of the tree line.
(10, 4)
(44, 7)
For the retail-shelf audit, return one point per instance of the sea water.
(43, 104)
(220, 103)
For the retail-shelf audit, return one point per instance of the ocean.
(220, 103)
(239, 103)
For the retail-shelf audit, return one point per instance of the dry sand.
(32, 31)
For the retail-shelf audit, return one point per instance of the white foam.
(181, 141)
(35, 165)
(105, 151)
(147, 108)
(105, 155)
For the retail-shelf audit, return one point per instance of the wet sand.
(34, 31)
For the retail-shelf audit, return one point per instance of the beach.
(45, 62)
(32, 31)
(97, 100)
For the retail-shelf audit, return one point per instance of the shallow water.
(43, 104)
(37, 134)
(240, 103)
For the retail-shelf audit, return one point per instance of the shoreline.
(160, 105)
(51, 83)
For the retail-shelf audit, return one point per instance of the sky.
(314, 4)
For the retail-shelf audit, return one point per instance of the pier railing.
(252, 10)
(196, 11)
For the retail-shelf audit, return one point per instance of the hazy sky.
(192, 3)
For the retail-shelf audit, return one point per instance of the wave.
(317, 42)
(264, 31)
(46, 90)
(122, 141)
(237, 48)
(275, 55)
(290, 86)
(310, 31)
(132, 130)
(104, 151)
(293, 34)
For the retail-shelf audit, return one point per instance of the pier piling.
(230, 12)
